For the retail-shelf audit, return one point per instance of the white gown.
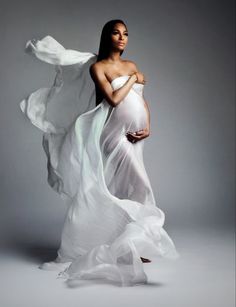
(112, 218)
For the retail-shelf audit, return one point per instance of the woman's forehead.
(119, 25)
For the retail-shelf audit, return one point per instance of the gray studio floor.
(203, 277)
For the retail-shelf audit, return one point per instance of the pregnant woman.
(95, 119)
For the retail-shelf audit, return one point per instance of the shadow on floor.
(35, 252)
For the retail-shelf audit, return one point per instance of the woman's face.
(119, 37)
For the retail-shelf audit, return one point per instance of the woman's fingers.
(140, 132)
(135, 136)
(141, 78)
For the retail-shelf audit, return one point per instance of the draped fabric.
(112, 217)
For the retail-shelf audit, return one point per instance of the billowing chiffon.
(112, 217)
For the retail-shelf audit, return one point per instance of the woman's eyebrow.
(119, 30)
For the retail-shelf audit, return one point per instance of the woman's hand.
(134, 137)
(140, 77)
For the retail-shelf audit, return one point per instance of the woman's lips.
(121, 44)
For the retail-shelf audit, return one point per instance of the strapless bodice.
(119, 81)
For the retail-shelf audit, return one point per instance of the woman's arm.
(113, 97)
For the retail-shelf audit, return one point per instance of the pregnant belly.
(131, 114)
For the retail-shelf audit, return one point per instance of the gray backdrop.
(185, 49)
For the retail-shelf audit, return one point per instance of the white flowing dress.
(112, 218)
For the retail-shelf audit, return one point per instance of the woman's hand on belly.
(134, 137)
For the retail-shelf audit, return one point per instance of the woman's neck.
(114, 56)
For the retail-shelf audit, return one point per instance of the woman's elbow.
(113, 101)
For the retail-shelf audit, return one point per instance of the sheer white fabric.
(112, 218)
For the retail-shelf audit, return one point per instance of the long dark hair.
(105, 47)
(105, 40)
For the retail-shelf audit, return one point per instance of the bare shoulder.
(96, 70)
(95, 67)
(132, 65)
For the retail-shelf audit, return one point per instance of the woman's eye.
(118, 33)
